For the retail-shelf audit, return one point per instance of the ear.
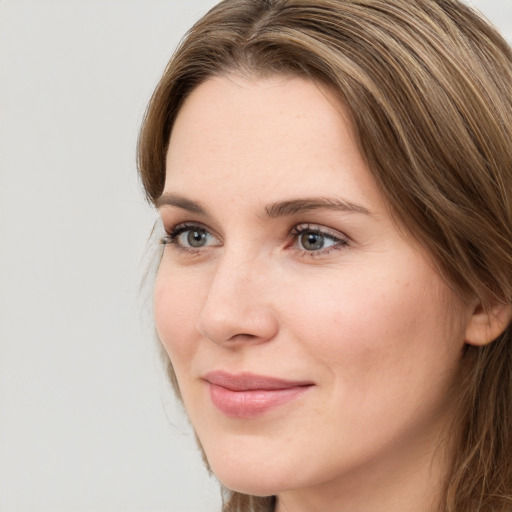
(485, 325)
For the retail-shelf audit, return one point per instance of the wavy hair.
(428, 84)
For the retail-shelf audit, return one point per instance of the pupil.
(312, 241)
(196, 238)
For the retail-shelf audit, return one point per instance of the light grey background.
(86, 420)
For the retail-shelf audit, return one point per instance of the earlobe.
(486, 325)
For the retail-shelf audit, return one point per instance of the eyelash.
(171, 238)
(340, 242)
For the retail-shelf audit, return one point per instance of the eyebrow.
(279, 209)
(294, 206)
(180, 202)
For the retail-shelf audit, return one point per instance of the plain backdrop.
(86, 419)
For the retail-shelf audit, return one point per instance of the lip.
(246, 395)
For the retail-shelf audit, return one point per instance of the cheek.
(392, 328)
(378, 351)
(177, 299)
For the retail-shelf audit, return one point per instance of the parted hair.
(428, 84)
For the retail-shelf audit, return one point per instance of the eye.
(313, 239)
(188, 236)
(197, 237)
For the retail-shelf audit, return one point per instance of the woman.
(334, 295)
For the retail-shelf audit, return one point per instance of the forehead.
(248, 110)
(266, 136)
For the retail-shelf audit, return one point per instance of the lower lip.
(251, 403)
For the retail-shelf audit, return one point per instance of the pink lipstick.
(246, 395)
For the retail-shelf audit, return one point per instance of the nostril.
(250, 325)
(244, 337)
(233, 312)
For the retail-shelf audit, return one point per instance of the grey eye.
(312, 241)
(197, 237)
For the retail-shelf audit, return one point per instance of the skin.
(366, 319)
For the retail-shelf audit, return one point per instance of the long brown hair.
(428, 84)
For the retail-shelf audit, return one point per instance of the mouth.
(247, 395)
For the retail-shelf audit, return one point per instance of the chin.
(253, 487)
(253, 478)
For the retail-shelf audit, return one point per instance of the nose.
(237, 308)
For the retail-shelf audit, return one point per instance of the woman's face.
(313, 342)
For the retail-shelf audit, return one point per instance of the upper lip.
(250, 381)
